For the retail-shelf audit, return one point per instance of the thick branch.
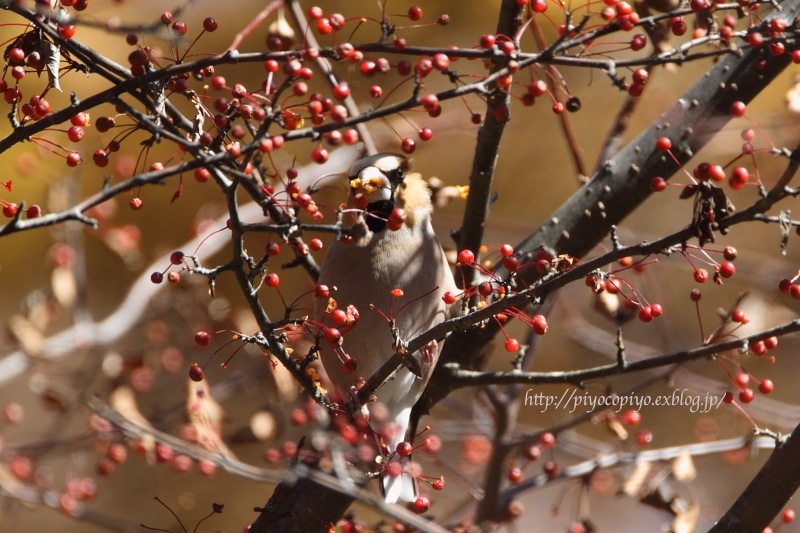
(773, 486)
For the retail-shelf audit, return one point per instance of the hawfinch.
(390, 250)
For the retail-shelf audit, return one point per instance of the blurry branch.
(130, 311)
(270, 8)
(137, 432)
(327, 69)
(555, 81)
(610, 460)
(298, 472)
(81, 512)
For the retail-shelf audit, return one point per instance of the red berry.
(730, 253)
(421, 505)
(156, 277)
(746, 395)
(202, 175)
(514, 475)
(511, 345)
(324, 26)
(656, 310)
(639, 40)
(788, 516)
(319, 155)
(16, 56)
(539, 324)
(646, 314)
(430, 102)
(658, 184)
(663, 144)
(794, 290)
(695, 295)
(771, 343)
(9, 210)
(741, 379)
(414, 13)
(766, 386)
(404, 449)
(333, 336)
(426, 134)
(727, 397)
(511, 264)
(449, 298)
(341, 91)
(551, 469)
(100, 158)
(196, 373)
(466, 257)
(396, 219)
(738, 109)
(738, 316)
(349, 366)
(547, 439)
(322, 291)
(632, 418)
(644, 438)
(487, 41)
(408, 146)
(727, 269)
(532, 453)
(202, 338)
(136, 203)
(701, 275)
(173, 277)
(210, 25)
(758, 348)
(777, 48)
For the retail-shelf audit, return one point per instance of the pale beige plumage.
(365, 272)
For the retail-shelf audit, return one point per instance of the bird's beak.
(373, 184)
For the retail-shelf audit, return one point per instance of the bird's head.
(374, 181)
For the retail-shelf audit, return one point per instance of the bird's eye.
(398, 176)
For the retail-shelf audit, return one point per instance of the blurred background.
(57, 279)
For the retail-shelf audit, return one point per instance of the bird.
(393, 246)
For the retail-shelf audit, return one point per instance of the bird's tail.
(402, 486)
(397, 480)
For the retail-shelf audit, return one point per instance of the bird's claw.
(428, 352)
